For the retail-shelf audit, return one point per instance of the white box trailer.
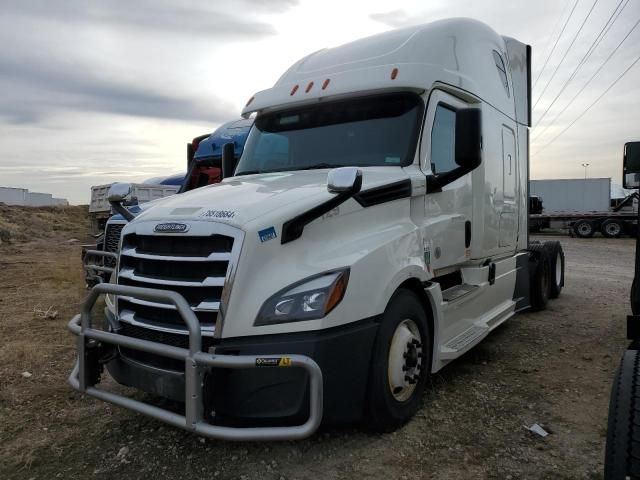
(36, 199)
(13, 196)
(582, 207)
(100, 209)
(573, 194)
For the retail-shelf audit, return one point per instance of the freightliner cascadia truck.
(373, 230)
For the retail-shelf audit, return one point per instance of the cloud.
(212, 19)
(75, 56)
(272, 5)
(40, 91)
(393, 18)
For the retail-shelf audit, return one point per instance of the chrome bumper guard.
(92, 269)
(195, 363)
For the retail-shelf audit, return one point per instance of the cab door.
(448, 211)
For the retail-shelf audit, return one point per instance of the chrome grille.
(112, 241)
(167, 338)
(195, 265)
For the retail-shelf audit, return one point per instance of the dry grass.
(41, 286)
(32, 224)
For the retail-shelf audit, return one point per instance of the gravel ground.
(553, 367)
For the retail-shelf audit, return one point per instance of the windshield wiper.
(319, 166)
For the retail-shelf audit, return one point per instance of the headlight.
(310, 299)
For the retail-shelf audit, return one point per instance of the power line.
(590, 79)
(592, 104)
(575, 37)
(554, 30)
(585, 57)
(556, 43)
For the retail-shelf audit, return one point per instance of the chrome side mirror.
(118, 192)
(344, 180)
(631, 180)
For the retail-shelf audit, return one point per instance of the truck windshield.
(371, 131)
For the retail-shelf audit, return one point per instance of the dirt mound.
(19, 225)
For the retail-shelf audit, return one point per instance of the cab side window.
(443, 140)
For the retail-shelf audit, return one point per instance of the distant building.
(22, 196)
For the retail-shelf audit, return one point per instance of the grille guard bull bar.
(195, 362)
(92, 266)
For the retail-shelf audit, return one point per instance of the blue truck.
(204, 167)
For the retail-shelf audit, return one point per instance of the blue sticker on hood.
(267, 234)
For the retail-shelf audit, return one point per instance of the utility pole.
(585, 165)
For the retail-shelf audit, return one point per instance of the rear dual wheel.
(546, 272)
(611, 228)
(555, 255)
(583, 229)
(539, 276)
(400, 365)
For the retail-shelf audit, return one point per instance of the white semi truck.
(373, 230)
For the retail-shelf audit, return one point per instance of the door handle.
(467, 233)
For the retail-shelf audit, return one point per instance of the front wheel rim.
(406, 360)
(558, 269)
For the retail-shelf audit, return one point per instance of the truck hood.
(239, 200)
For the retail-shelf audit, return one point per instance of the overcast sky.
(101, 91)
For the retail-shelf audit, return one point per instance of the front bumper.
(86, 372)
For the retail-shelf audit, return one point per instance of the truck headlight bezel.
(309, 299)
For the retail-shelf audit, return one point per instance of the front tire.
(401, 363)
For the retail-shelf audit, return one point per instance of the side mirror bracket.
(228, 160)
(345, 182)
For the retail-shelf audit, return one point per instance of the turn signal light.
(337, 293)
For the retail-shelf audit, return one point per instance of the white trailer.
(100, 209)
(582, 206)
(13, 196)
(23, 197)
(36, 199)
(373, 231)
(573, 194)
